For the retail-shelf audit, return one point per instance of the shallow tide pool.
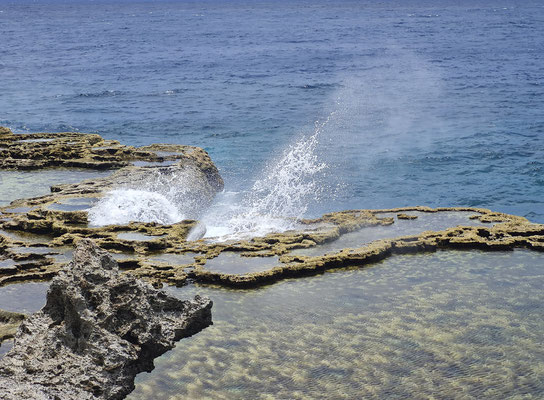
(401, 227)
(25, 184)
(448, 324)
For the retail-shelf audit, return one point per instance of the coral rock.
(98, 329)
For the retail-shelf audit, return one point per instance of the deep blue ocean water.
(432, 104)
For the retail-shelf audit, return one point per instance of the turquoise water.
(447, 325)
(435, 103)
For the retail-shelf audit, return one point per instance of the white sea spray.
(165, 196)
(121, 206)
(276, 200)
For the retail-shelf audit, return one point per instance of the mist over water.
(387, 110)
(280, 196)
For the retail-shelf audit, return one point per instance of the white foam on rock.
(164, 195)
(121, 206)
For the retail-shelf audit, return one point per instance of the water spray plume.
(124, 205)
(278, 199)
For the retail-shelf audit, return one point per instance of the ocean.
(309, 107)
(428, 103)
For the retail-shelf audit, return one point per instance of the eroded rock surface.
(37, 234)
(161, 254)
(98, 329)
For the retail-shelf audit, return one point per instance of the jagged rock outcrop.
(98, 329)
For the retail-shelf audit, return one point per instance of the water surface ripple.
(447, 325)
(437, 104)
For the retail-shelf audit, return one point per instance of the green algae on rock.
(9, 322)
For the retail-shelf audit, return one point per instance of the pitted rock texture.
(140, 166)
(502, 232)
(98, 329)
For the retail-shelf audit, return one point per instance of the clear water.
(8, 264)
(36, 140)
(443, 325)
(232, 263)
(23, 297)
(425, 103)
(401, 227)
(435, 103)
(136, 236)
(65, 256)
(174, 259)
(33, 250)
(24, 236)
(74, 204)
(24, 184)
(153, 163)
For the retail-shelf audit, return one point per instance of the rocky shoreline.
(38, 235)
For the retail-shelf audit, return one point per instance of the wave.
(104, 93)
(318, 86)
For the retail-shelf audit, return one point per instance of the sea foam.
(165, 196)
(124, 205)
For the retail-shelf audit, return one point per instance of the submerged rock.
(9, 322)
(161, 254)
(98, 330)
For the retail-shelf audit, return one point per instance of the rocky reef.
(99, 328)
(34, 151)
(372, 237)
(160, 254)
(37, 234)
